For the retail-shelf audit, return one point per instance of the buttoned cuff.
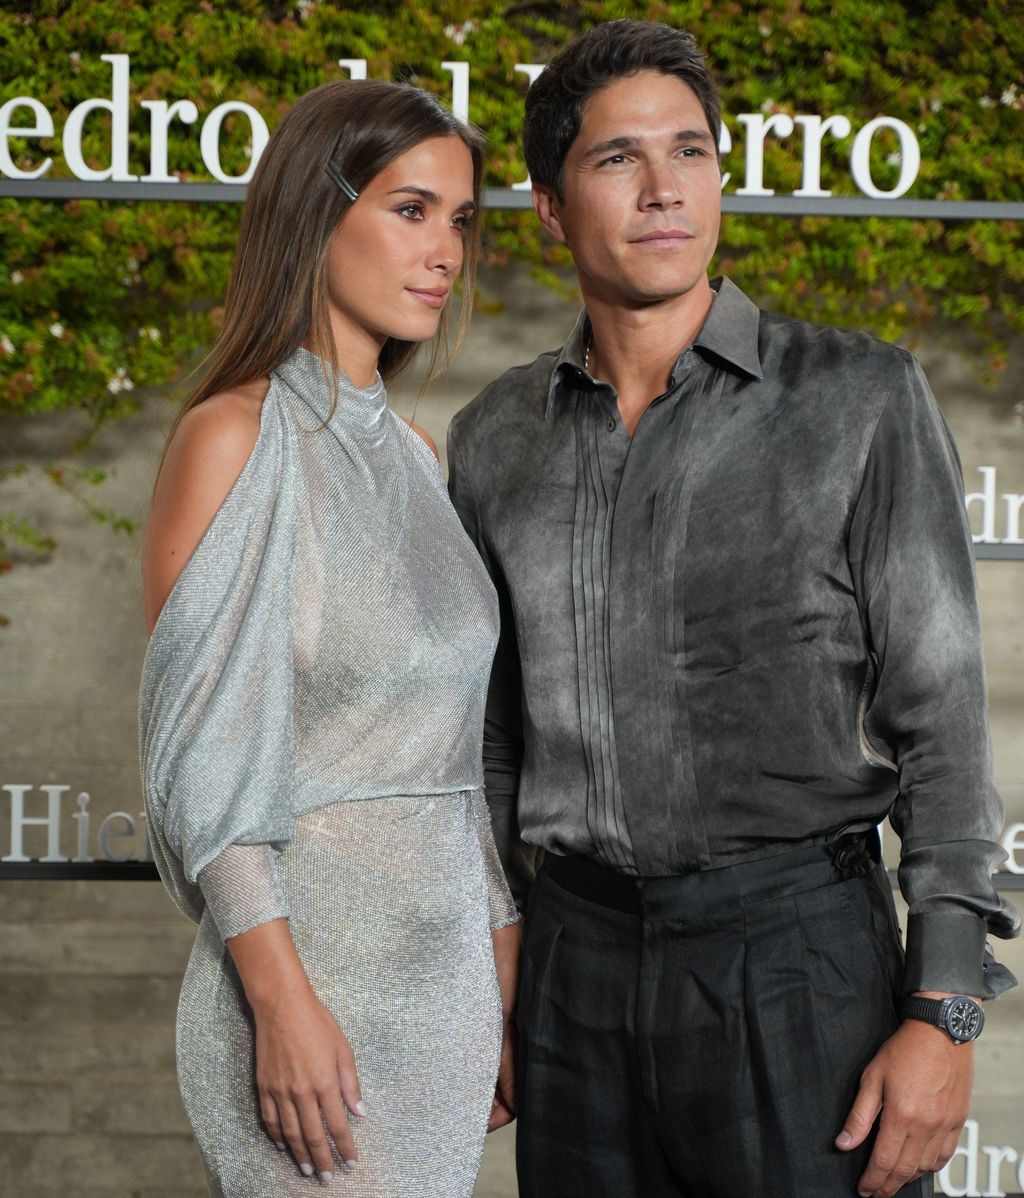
(946, 951)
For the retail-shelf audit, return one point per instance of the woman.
(312, 696)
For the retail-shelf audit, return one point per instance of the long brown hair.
(277, 293)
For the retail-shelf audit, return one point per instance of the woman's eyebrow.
(430, 196)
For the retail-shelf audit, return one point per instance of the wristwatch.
(960, 1017)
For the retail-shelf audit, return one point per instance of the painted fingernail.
(350, 1164)
(360, 1107)
(280, 1145)
(307, 1170)
(326, 1176)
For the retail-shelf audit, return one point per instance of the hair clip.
(339, 180)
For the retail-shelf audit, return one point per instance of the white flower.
(16, 277)
(987, 102)
(459, 33)
(305, 7)
(895, 158)
(152, 333)
(764, 30)
(1010, 97)
(76, 61)
(768, 106)
(57, 329)
(120, 381)
(935, 105)
(6, 345)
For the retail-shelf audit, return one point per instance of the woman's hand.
(305, 1069)
(507, 943)
(306, 1076)
(503, 1104)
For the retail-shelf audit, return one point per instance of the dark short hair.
(609, 51)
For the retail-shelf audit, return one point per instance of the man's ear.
(547, 206)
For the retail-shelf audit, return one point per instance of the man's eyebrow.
(632, 143)
(430, 196)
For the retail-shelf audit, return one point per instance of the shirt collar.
(729, 333)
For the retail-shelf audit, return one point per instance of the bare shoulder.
(204, 459)
(424, 436)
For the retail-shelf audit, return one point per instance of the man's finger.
(862, 1114)
(895, 1158)
(946, 1143)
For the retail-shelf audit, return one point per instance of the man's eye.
(614, 159)
(693, 152)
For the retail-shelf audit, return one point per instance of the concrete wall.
(89, 971)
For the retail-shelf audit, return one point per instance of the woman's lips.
(433, 298)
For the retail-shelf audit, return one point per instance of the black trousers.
(703, 1036)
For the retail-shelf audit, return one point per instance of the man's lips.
(433, 297)
(664, 235)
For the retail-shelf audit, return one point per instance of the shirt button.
(611, 424)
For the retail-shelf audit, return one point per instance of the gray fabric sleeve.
(216, 695)
(243, 887)
(501, 908)
(503, 737)
(912, 562)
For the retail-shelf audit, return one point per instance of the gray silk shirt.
(751, 627)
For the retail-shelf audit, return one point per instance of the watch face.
(963, 1020)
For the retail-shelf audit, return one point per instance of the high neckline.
(357, 407)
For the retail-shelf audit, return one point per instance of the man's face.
(642, 192)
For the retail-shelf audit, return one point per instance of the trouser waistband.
(717, 890)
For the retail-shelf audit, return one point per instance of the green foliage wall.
(100, 299)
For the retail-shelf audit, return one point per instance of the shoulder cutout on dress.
(207, 454)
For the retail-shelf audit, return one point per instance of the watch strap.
(929, 1010)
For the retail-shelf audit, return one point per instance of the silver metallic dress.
(311, 716)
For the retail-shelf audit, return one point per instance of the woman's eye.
(412, 211)
(462, 222)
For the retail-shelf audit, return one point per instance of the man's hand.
(921, 1082)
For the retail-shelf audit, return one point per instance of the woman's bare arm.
(206, 456)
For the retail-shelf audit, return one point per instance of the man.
(739, 629)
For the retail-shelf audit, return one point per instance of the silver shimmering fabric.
(310, 717)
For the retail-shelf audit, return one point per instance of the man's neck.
(635, 349)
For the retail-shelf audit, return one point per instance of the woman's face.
(394, 257)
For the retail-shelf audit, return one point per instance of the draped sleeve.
(216, 722)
